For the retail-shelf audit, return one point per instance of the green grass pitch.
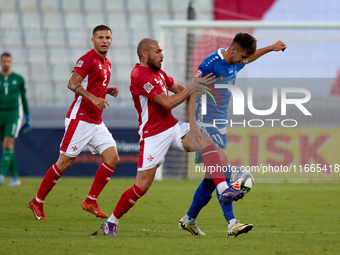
(288, 218)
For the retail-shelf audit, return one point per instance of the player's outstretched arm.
(74, 84)
(170, 102)
(279, 45)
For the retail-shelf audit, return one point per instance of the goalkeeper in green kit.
(13, 103)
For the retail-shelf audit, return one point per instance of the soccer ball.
(242, 179)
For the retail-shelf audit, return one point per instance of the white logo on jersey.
(80, 63)
(162, 84)
(148, 87)
(100, 66)
(14, 82)
(104, 71)
(231, 71)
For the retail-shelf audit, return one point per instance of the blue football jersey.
(217, 105)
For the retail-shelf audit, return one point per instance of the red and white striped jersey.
(96, 73)
(145, 85)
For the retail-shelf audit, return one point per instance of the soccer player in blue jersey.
(224, 64)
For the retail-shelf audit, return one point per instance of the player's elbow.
(168, 106)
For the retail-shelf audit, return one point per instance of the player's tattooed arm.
(74, 84)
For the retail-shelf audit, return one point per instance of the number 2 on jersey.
(105, 78)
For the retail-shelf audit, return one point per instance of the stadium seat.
(139, 21)
(61, 73)
(44, 91)
(7, 6)
(79, 38)
(20, 68)
(18, 55)
(31, 21)
(180, 16)
(71, 6)
(55, 38)
(159, 7)
(37, 56)
(10, 20)
(137, 36)
(114, 6)
(34, 38)
(203, 6)
(117, 21)
(156, 17)
(93, 20)
(52, 21)
(120, 56)
(205, 16)
(91, 6)
(60, 56)
(50, 6)
(12, 38)
(41, 73)
(123, 73)
(28, 6)
(63, 95)
(120, 38)
(75, 21)
(180, 6)
(136, 6)
(76, 53)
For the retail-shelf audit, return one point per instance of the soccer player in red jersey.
(159, 131)
(84, 125)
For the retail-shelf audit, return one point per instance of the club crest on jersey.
(148, 87)
(221, 77)
(80, 63)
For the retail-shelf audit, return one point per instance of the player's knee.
(64, 166)
(206, 141)
(113, 161)
(144, 184)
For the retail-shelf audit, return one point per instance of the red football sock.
(51, 177)
(102, 177)
(213, 164)
(127, 200)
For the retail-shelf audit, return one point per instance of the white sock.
(222, 186)
(231, 222)
(39, 200)
(113, 219)
(189, 220)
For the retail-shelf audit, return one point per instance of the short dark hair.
(246, 42)
(101, 28)
(5, 54)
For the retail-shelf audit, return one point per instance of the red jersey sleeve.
(83, 66)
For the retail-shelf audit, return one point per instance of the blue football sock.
(201, 197)
(227, 209)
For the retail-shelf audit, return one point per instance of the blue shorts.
(219, 137)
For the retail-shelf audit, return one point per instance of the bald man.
(159, 131)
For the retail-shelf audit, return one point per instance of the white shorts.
(153, 149)
(79, 133)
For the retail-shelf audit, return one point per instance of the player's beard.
(153, 65)
(6, 69)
